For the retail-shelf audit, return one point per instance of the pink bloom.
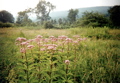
(24, 43)
(39, 43)
(39, 36)
(23, 50)
(50, 47)
(30, 40)
(67, 62)
(62, 37)
(46, 40)
(20, 39)
(42, 49)
(54, 45)
(37, 39)
(30, 46)
(54, 39)
(68, 40)
(75, 42)
(51, 37)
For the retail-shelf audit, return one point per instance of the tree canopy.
(6, 16)
(115, 15)
(43, 9)
(94, 19)
(23, 17)
(72, 15)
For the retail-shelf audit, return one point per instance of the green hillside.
(63, 14)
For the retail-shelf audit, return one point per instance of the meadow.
(75, 55)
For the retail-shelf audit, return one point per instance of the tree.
(115, 15)
(48, 25)
(72, 15)
(6, 16)
(54, 21)
(60, 21)
(23, 18)
(65, 21)
(94, 19)
(43, 9)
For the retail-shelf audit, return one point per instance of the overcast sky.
(15, 6)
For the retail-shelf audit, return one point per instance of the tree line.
(43, 9)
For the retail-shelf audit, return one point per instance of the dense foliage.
(115, 15)
(72, 15)
(93, 19)
(6, 16)
(43, 9)
(3, 25)
(23, 18)
(48, 25)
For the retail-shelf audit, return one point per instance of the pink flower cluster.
(51, 43)
(67, 62)
(30, 46)
(21, 39)
(50, 46)
(24, 44)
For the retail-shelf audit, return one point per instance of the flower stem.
(27, 68)
(66, 73)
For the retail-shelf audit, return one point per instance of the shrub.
(93, 19)
(2, 25)
(48, 25)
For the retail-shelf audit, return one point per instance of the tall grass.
(97, 61)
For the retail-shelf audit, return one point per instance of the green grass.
(98, 57)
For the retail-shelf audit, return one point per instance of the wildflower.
(54, 45)
(51, 37)
(30, 40)
(37, 39)
(20, 39)
(24, 43)
(39, 43)
(79, 39)
(75, 42)
(62, 37)
(68, 40)
(23, 50)
(67, 62)
(51, 47)
(30, 46)
(54, 39)
(42, 49)
(46, 40)
(39, 36)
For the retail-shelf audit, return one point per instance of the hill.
(63, 14)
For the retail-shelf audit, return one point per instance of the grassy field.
(93, 60)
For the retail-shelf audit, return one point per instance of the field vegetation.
(83, 55)
(63, 50)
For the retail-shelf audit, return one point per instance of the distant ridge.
(63, 14)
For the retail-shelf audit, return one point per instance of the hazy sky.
(15, 6)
